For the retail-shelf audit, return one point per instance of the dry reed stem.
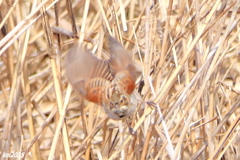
(188, 93)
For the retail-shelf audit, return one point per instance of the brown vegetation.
(188, 93)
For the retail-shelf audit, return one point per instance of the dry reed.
(188, 93)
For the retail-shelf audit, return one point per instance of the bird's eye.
(121, 101)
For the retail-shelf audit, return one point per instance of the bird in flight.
(109, 83)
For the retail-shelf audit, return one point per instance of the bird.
(109, 83)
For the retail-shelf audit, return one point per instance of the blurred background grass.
(188, 94)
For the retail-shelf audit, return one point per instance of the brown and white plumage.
(109, 83)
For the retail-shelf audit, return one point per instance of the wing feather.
(122, 66)
(82, 67)
(119, 58)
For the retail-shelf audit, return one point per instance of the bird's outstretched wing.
(86, 73)
(122, 66)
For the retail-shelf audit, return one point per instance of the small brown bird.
(109, 83)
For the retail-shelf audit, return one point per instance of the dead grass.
(188, 93)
